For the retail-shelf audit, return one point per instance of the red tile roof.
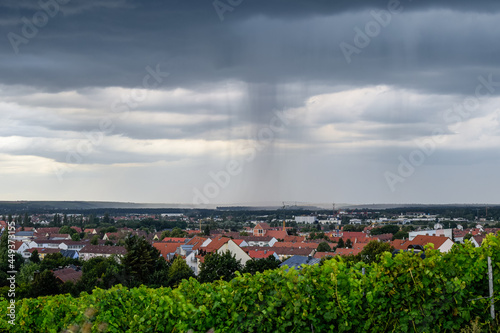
(278, 234)
(319, 255)
(345, 252)
(294, 238)
(175, 239)
(296, 245)
(17, 245)
(68, 274)
(43, 250)
(263, 225)
(51, 230)
(260, 254)
(166, 248)
(215, 244)
(196, 241)
(399, 244)
(479, 239)
(238, 241)
(424, 240)
(384, 237)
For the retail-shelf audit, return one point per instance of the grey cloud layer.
(228, 78)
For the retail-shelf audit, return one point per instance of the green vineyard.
(401, 293)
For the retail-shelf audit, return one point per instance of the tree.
(219, 266)
(348, 243)
(94, 240)
(206, 230)
(75, 236)
(102, 273)
(373, 249)
(140, 261)
(323, 247)
(35, 258)
(400, 235)
(341, 244)
(66, 229)
(44, 283)
(179, 271)
(352, 227)
(26, 220)
(27, 272)
(106, 219)
(244, 233)
(386, 229)
(55, 260)
(468, 236)
(260, 265)
(176, 232)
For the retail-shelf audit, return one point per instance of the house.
(24, 236)
(20, 247)
(294, 239)
(167, 250)
(112, 236)
(59, 236)
(198, 242)
(458, 235)
(219, 245)
(383, 237)
(306, 219)
(48, 244)
(440, 232)
(25, 229)
(77, 229)
(92, 251)
(240, 242)
(42, 252)
(72, 254)
(259, 240)
(235, 250)
(319, 255)
(278, 234)
(285, 252)
(300, 245)
(400, 244)
(262, 254)
(297, 261)
(347, 251)
(441, 243)
(75, 245)
(477, 240)
(91, 231)
(68, 274)
(47, 231)
(260, 229)
(175, 240)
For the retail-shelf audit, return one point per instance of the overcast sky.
(245, 101)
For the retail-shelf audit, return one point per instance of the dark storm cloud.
(94, 43)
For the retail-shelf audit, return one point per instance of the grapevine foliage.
(402, 293)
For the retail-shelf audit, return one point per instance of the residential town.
(292, 241)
